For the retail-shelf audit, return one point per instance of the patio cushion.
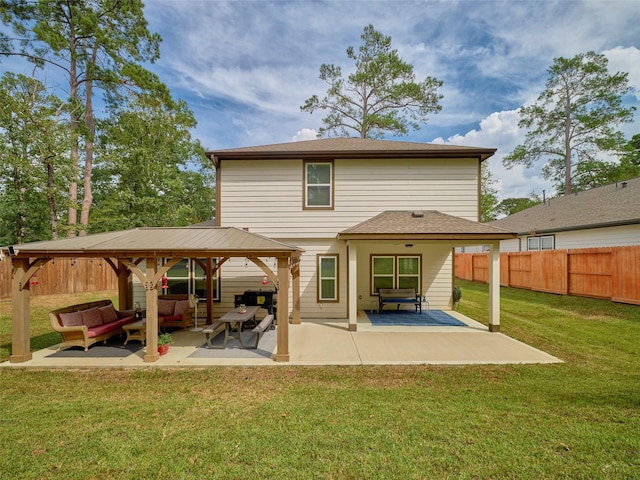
(181, 306)
(108, 313)
(170, 318)
(165, 307)
(71, 319)
(108, 327)
(92, 317)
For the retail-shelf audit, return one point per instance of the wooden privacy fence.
(612, 273)
(64, 275)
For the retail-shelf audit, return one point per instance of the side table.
(136, 331)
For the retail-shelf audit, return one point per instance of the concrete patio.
(327, 343)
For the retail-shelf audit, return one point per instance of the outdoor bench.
(212, 330)
(399, 296)
(84, 324)
(262, 327)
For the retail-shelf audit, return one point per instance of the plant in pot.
(164, 340)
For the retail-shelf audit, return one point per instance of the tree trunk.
(567, 144)
(72, 219)
(88, 146)
(53, 214)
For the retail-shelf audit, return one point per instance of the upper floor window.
(545, 242)
(318, 185)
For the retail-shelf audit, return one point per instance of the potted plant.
(164, 340)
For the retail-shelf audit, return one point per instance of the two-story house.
(367, 213)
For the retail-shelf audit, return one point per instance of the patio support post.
(494, 286)
(295, 274)
(125, 299)
(151, 288)
(352, 289)
(282, 349)
(209, 287)
(20, 298)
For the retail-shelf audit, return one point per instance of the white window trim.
(539, 241)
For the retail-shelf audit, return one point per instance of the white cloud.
(305, 134)
(500, 130)
(623, 59)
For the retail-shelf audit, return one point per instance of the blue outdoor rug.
(428, 318)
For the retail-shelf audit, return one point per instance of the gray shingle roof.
(162, 241)
(351, 148)
(609, 205)
(426, 225)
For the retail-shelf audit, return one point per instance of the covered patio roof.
(427, 226)
(124, 251)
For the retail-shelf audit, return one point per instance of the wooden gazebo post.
(21, 312)
(282, 350)
(151, 288)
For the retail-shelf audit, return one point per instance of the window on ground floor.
(327, 278)
(189, 276)
(541, 242)
(395, 271)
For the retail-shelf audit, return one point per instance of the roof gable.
(609, 205)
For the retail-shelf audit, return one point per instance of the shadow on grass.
(38, 342)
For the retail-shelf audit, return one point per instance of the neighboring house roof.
(610, 205)
(161, 242)
(422, 225)
(350, 148)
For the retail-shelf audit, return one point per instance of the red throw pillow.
(181, 306)
(92, 317)
(108, 313)
(166, 307)
(71, 319)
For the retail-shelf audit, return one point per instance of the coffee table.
(136, 331)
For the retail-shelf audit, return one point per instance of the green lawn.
(576, 420)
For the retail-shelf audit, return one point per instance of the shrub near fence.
(64, 275)
(611, 273)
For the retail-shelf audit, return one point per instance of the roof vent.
(417, 214)
(624, 184)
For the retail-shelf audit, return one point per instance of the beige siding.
(266, 196)
(436, 271)
(599, 237)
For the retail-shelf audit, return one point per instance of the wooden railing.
(612, 273)
(64, 275)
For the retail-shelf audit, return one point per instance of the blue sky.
(245, 68)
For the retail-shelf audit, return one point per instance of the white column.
(494, 286)
(352, 287)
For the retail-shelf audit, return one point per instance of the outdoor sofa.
(174, 311)
(84, 324)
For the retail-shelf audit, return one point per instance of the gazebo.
(124, 251)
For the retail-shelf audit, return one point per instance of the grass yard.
(578, 420)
